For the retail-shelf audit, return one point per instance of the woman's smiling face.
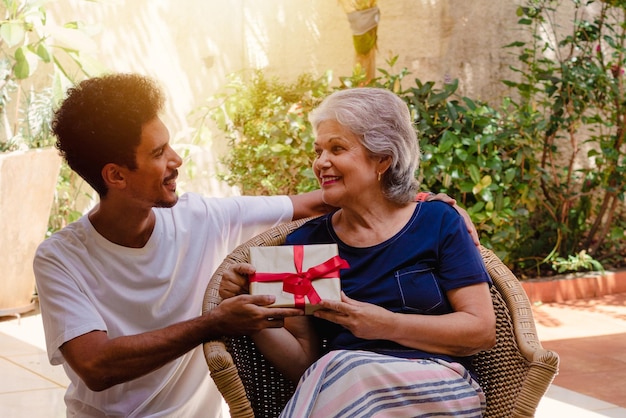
(342, 165)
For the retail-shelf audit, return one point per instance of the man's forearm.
(102, 362)
(309, 204)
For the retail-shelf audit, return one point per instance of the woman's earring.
(379, 175)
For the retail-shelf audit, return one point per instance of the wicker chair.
(515, 374)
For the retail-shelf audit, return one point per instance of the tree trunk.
(363, 16)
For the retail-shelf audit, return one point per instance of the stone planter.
(27, 184)
(575, 286)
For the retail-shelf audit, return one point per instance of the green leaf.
(474, 174)
(477, 207)
(452, 112)
(438, 97)
(448, 140)
(43, 53)
(509, 175)
(461, 153)
(466, 187)
(12, 33)
(470, 103)
(22, 66)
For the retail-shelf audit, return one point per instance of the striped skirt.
(365, 384)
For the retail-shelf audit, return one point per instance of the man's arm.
(102, 362)
(309, 204)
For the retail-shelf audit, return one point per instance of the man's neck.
(126, 228)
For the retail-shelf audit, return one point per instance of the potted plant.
(32, 78)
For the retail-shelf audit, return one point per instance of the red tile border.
(574, 287)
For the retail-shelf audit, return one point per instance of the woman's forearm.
(291, 349)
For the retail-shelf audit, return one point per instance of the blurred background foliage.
(541, 173)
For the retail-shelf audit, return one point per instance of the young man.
(121, 289)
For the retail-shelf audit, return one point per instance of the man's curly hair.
(100, 122)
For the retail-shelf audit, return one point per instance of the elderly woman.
(415, 304)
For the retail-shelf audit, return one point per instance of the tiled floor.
(589, 335)
(29, 385)
(590, 338)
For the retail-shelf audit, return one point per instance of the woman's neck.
(371, 225)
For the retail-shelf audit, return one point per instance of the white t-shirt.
(87, 283)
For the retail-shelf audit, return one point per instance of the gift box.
(298, 275)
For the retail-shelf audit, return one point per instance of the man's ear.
(114, 176)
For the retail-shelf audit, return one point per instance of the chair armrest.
(543, 365)
(224, 374)
(221, 365)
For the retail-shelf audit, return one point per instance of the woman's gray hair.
(383, 122)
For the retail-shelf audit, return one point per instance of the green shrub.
(571, 106)
(469, 153)
(269, 137)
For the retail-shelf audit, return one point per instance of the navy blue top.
(409, 273)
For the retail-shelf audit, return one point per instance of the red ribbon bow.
(300, 283)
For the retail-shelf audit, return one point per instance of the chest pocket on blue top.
(420, 291)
